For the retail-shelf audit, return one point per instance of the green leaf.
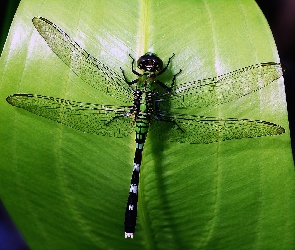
(67, 190)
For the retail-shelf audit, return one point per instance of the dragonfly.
(147, 103)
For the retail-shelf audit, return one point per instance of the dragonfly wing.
(224, 88)
(203, 130)
(84, 65)
(89, 118)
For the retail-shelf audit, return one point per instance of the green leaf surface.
(65, 189)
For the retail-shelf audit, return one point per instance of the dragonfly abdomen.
(142, 125)
(131, 207)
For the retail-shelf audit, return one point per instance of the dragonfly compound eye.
(150, 62)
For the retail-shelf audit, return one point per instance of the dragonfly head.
(150, 62)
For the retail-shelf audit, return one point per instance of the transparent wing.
(84, 65)
(202, 130)
(224, 88)
(89, 118)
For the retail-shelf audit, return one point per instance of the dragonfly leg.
(173, 80)
(132, 65)
(170, 120)
(121, 116)
(166, 67)
(128, 82)
(163, 85)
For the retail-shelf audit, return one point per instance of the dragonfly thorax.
(150, 62)
(143, 104)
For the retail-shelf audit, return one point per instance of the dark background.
(281, 18)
